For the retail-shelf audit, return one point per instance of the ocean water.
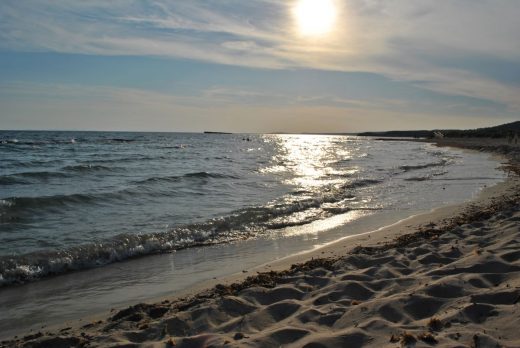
(71, 201)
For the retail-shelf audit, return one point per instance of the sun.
(315, 17)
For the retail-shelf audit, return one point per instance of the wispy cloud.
(400, 39)
(68, 106)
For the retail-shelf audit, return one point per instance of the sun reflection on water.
(322, 177)
(311, 161)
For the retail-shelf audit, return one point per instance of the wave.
(344, 161)
(18, 204)
(408, 168)
(467, 178)
(177, 146)
(172, 178)
(284, 223)
(120, 140)
(37, 142)
(337, 210)
(27, 205)
(22, 206)
(12, 180)
(67, 141)
(209, 175)
(440, 173)
(89, 168)
(419, 178)
(31, 176)
(361, 183)
(42, 175)
(128, 159)
(175, 178)
(32, 163)
(239, 225)
(33, 266)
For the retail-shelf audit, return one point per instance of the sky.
(259, 65)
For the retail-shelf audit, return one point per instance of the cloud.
(68, 106)
(412, 41)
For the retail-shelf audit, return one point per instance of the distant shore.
(449, 277)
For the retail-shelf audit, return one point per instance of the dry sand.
(450, 278)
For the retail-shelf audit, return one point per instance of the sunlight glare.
(315, 17)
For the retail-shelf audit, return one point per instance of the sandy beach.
(448, 278)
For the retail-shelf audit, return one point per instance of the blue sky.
(243, 66)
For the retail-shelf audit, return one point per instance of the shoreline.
(379, 235)
(267, 275)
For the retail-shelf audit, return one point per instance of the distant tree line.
(501, 131)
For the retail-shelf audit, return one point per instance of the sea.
(89, 220)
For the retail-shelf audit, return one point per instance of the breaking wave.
(241, 224)
(408, 168)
